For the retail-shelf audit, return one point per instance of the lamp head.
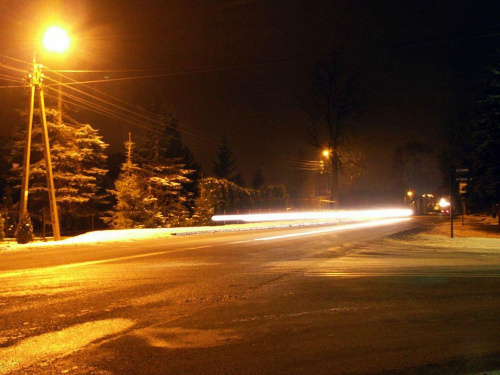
(56, 39)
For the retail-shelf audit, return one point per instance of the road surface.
(306, 300)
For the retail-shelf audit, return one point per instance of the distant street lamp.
(55, 39)
(327, 167)
(409, 196)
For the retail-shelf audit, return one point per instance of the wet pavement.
(353, 302)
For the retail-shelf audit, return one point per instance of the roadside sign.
(462, 187)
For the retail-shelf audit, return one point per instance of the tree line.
(159, 183)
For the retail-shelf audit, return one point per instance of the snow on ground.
(457, 243)
(469, 236)
(129, 235)
(470, 232)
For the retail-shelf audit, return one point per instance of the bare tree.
(334, 104)
(417, 166)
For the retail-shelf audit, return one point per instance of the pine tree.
(485, 156)
(164, 160)
(135, 207)
(166, 185)
(78, 163)
(205, 203)
(224, 165)
(258, 179)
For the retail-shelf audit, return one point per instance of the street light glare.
(56, 39)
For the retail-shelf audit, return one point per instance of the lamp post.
(409, 196)
(55, 40)
(328, 165)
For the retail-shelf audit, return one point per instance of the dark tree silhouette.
(258, 179)
(485, 156)
(224, 165)
(334, 103)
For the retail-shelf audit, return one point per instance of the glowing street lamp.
(408, 197)
(55, 39)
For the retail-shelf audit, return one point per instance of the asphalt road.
(308, 300)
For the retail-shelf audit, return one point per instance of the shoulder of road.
(472, 230)
(469, 232)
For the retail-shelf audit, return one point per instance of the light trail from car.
(318, 215)
(335, 228)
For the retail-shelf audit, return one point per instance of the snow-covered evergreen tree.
(218, 196)
(136, 206)
(163, 160)
(165, 182)
(78, 163)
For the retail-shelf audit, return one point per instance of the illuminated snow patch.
(176, 337)
(53, 344)
(319, 215)
(121, 235)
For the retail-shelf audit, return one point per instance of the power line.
(106, 111)
(4, 77)
(14, 59)
(144, 115)
(11, 87)
(147, 113)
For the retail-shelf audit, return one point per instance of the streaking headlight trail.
(319, 215)
(367, 224)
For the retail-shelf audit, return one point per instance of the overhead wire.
(79, 103)
(406, 44)
(12, 86)
(148, 113)
(5, 77)
(107, 111)
(10, 77)
(14, 59)
(3, 66)
(93, 107)
(144, 115)
(306, 165)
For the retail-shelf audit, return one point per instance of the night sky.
(243, 68)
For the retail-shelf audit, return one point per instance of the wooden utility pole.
(36, 78)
